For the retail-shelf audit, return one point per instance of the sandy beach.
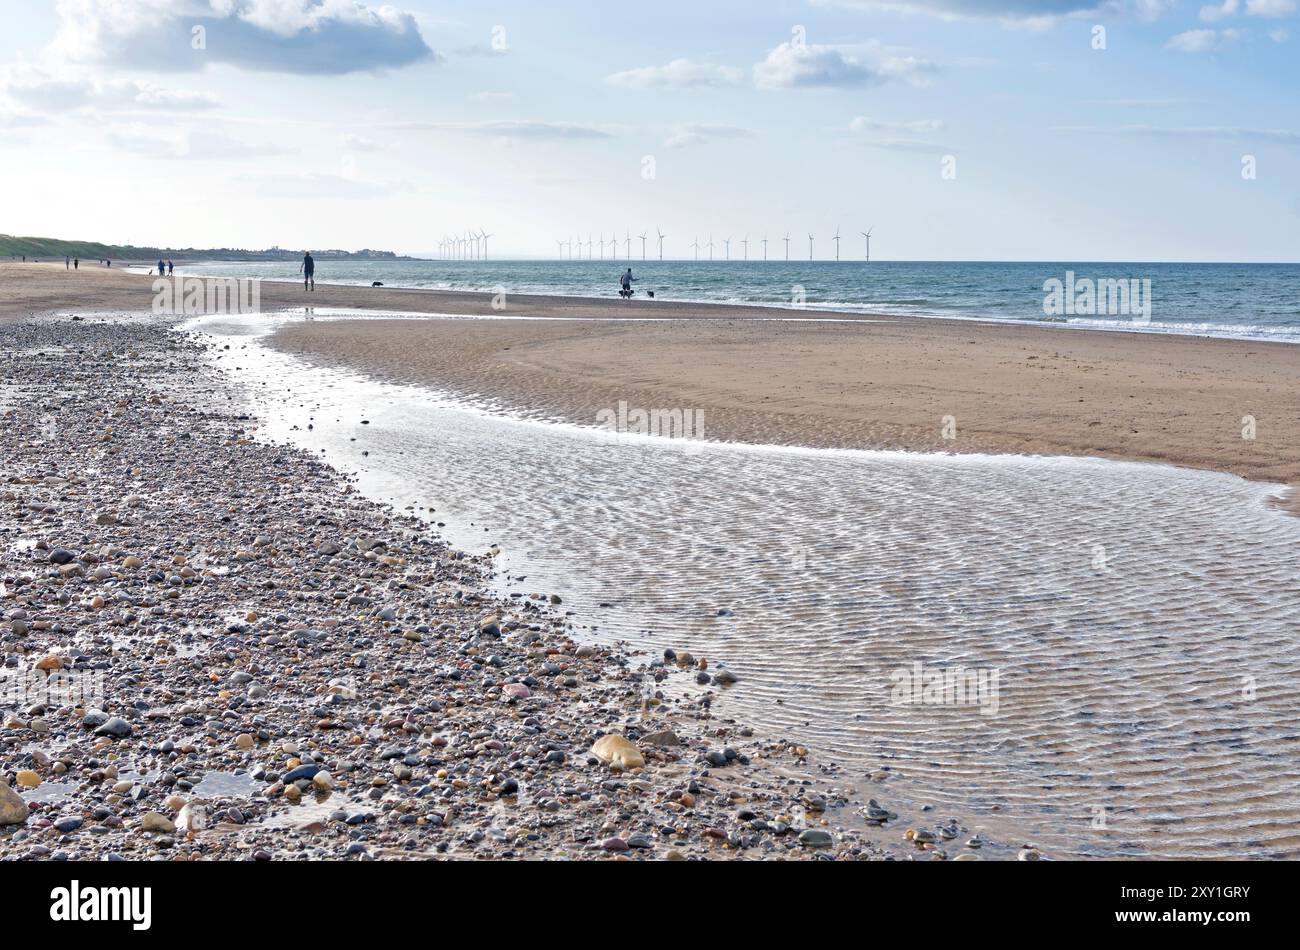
(256, 662)
(796, 377)
(759, 375)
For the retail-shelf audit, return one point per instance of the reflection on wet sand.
(1098, 655)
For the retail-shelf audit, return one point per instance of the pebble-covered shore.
(273, 667)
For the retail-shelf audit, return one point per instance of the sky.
(953, 129)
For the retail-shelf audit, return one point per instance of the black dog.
(377, 284)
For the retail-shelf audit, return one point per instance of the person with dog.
(625, 283)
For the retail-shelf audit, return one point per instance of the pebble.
(154, 821)
(815, 838)
(307, 674)
(116, 727)
(13, 810)
(617, 751)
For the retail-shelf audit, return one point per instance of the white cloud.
(1279, 35)
(1208, 133)
(21, 120)
(863, 124)
(1260, 8)
(702, 133)
(290, 36)
(193, 145)
(1211, 13)
(1270, 8)
(793, 65)
(509, 128)
(680, 74)
(898, 136)
(357, 143)
(1033, 13)
(67, 89)
(1203, 41)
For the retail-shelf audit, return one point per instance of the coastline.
(794, 377)
(91, 356)
(877, 384)
(316, 676)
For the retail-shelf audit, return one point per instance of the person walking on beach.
(626, 283)
(67, 263)
(162, 268)
(76, 263)
(308, 272)
(170, 267)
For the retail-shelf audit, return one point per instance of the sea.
(1243, 301)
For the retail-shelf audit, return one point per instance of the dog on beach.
(378, 283)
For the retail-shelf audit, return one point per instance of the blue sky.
(341, 124)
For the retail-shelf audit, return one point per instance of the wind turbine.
(787, 245)
(589, 243)
(613, 245)
(867, 234)
(710, 246)
(661, 242)
(602, 245)
(696, 245)
(560, 245)
(745, 244)
(643, 237)
(810, 246)
(836, 239)
(764, 247)
(483, 235)
(627, 244)
(726, 241)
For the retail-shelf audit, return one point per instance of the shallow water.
(1127, 630)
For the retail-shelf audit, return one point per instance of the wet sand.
(256, 662)
(855, 383)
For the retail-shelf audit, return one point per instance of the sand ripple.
(1141, 620)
